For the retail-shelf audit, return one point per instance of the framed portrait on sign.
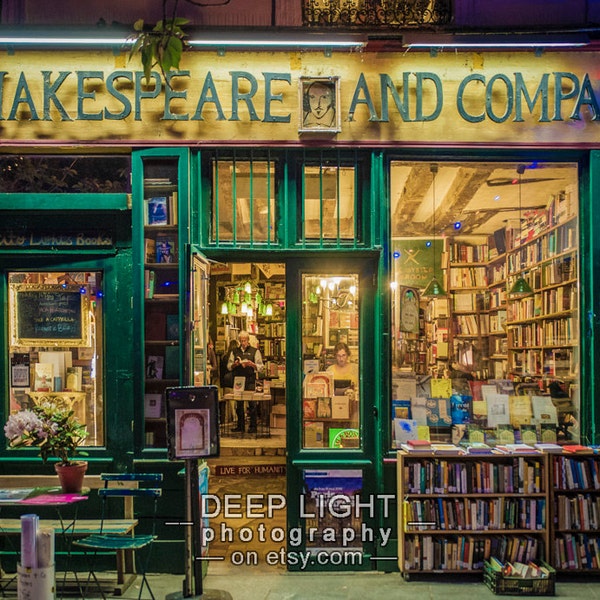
(319, 105)
(192, 422)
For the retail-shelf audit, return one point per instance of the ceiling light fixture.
(434, 288)
(520, 288)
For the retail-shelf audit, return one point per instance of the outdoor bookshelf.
(457, 511)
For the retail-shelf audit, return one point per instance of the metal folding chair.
(138, 544)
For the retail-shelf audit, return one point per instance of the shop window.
(485, 302)
(243, 200)
(55, 342)
(330, 391)
(328, 204)
(64, 174)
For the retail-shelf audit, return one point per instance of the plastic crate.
(506, 585)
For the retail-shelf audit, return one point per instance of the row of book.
(576, 474)
(578, 512)
(520, 475)
(466, 552)
(474, 514)
(576, 551)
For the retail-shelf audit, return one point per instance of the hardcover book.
(505, 434)
(157, 211)
(528, 434)
(340, 407)
(438, 412)
(166, 249)
(44, 376)
(154, 366)
(309, 408)
(73, 379)
(324, 407)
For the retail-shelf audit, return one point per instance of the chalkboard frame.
(17, 336)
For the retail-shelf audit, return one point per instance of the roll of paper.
(45, 547)
(29, 531)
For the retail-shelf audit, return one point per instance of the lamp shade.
(434, 289)
(520, 289)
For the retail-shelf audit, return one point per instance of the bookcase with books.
(575, 502)
(543, 336)
(160, 258)
(455, 512)
(468, 287)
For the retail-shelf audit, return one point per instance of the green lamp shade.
(520, 289)
(434, 289)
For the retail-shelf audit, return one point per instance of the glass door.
(198, 364)
(330, 360)
(332, 408)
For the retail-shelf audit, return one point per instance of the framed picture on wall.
(319, 105)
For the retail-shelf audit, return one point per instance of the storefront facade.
(304, 171)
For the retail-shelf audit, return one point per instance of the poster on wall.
(330, 502)
(192, 422)
(415, 262)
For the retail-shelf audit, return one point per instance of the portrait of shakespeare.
(319, 104)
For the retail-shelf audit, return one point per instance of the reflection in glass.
(328, 210)
(330, 398)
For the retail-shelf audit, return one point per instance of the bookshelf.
(160, 257)
(543, 335)
(575, 501)
(469, 290)
(457, 511)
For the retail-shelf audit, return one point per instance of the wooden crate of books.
(538, 581)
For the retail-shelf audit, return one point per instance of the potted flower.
(57, 433)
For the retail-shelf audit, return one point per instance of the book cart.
(455, 510)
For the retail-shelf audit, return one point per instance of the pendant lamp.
(520, 288)
(434, 288)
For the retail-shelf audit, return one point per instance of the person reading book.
(246, 361)
(343, 369)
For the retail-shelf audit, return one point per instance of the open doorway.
(248, 321)
(247, 306)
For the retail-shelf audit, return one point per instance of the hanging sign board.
(192, 422)
(48, 315)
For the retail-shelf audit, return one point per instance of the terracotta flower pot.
(71, 476)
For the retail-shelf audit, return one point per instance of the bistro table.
(27, 500)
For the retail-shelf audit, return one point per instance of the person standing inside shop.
(246, 361)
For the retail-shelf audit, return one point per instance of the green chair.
(138, 544)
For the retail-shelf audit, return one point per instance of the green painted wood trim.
(589, 217)
(182, 156)
(65, 201)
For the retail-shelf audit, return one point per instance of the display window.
(484, 262)
(55, 344)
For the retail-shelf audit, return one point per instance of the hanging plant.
(161, 46)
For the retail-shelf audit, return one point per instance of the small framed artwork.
(319, 105)
(20, 370)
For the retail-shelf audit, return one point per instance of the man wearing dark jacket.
(246, 361)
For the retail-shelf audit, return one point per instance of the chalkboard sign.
(43, 315)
